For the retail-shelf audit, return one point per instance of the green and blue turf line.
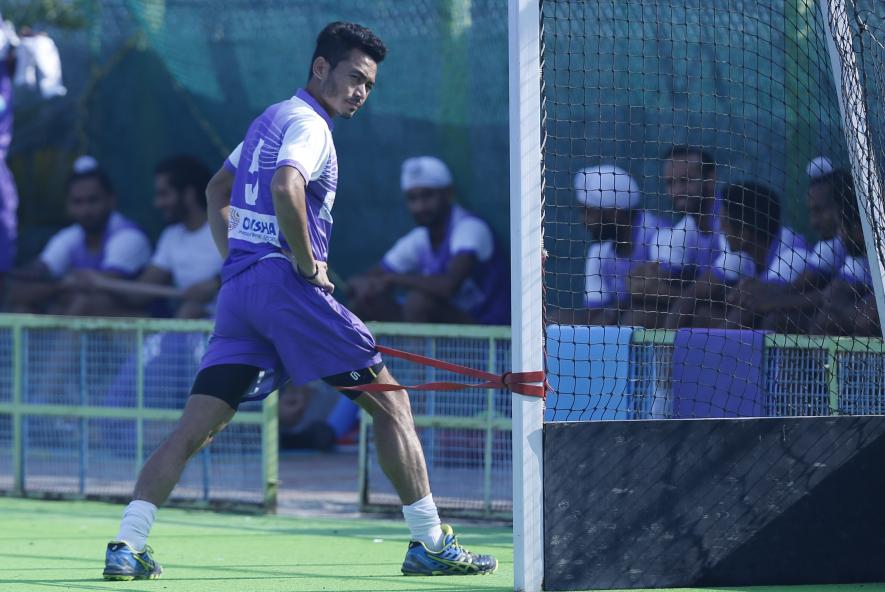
(51, 546)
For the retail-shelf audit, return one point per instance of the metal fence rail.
(84, 401)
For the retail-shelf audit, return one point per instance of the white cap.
(424, 171)
(818, 167)
(84, 164)
(606, 186)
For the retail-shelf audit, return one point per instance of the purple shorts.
(269, 317)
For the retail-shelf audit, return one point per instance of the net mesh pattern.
(712, 177)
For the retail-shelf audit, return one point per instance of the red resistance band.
(517, 382)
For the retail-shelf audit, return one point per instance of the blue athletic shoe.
(451, 560)
(122, 562)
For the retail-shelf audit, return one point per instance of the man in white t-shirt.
(186, 258)
(449, 267)
(101, 243)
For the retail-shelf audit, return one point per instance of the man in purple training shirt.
(449, 268)
(270, 210)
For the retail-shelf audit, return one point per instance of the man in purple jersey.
(270, 210)
(449, 268)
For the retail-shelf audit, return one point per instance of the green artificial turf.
(52, 546)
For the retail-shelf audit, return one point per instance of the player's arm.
(218, 207)
(32, 286)
(442, 286)
(154, 282)
(288, 189)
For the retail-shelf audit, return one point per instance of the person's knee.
(191, 438)
(390, 409)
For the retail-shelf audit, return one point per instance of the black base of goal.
(726, 502)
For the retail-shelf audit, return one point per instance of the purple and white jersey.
(685, 246)
(606, 272)
(485, 295)
(295, 133)
(827, 257)
(785, 262)
(124, 249)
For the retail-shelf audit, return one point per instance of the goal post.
(526, 288)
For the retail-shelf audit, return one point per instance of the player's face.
(346, 87)
(685, 183)
(168, 200)
(823, 214)
(428, 206)
(89, 205)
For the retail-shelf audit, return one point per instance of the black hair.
(841, 185)
(337, 39)
(753, 205)
(186, 171)
(95, 173)
(708, 165)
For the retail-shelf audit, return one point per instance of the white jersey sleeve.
(827, 256)
(127, 251)
(405, 255)
(788, 265)
(234, 159)
(56, 254)
(307, 145)
(472, 235)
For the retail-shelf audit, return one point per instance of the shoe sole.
(127, 578)
(487, 572)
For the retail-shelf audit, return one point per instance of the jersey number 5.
(252, 188)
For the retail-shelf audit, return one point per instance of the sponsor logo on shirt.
(253, 227)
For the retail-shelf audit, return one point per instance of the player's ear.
(320, 68)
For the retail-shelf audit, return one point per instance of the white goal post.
(526, 289)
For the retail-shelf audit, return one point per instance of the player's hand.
(321, 277)
(81, 280)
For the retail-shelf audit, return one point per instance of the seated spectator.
(186, 258)
(101, 240)
(757, 248)
(788, 309)
(186, 266)
(687, 250)
(449, 269)
(847, 306)
(609, 199)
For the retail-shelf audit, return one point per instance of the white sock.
(423, 521)
(138, 517)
